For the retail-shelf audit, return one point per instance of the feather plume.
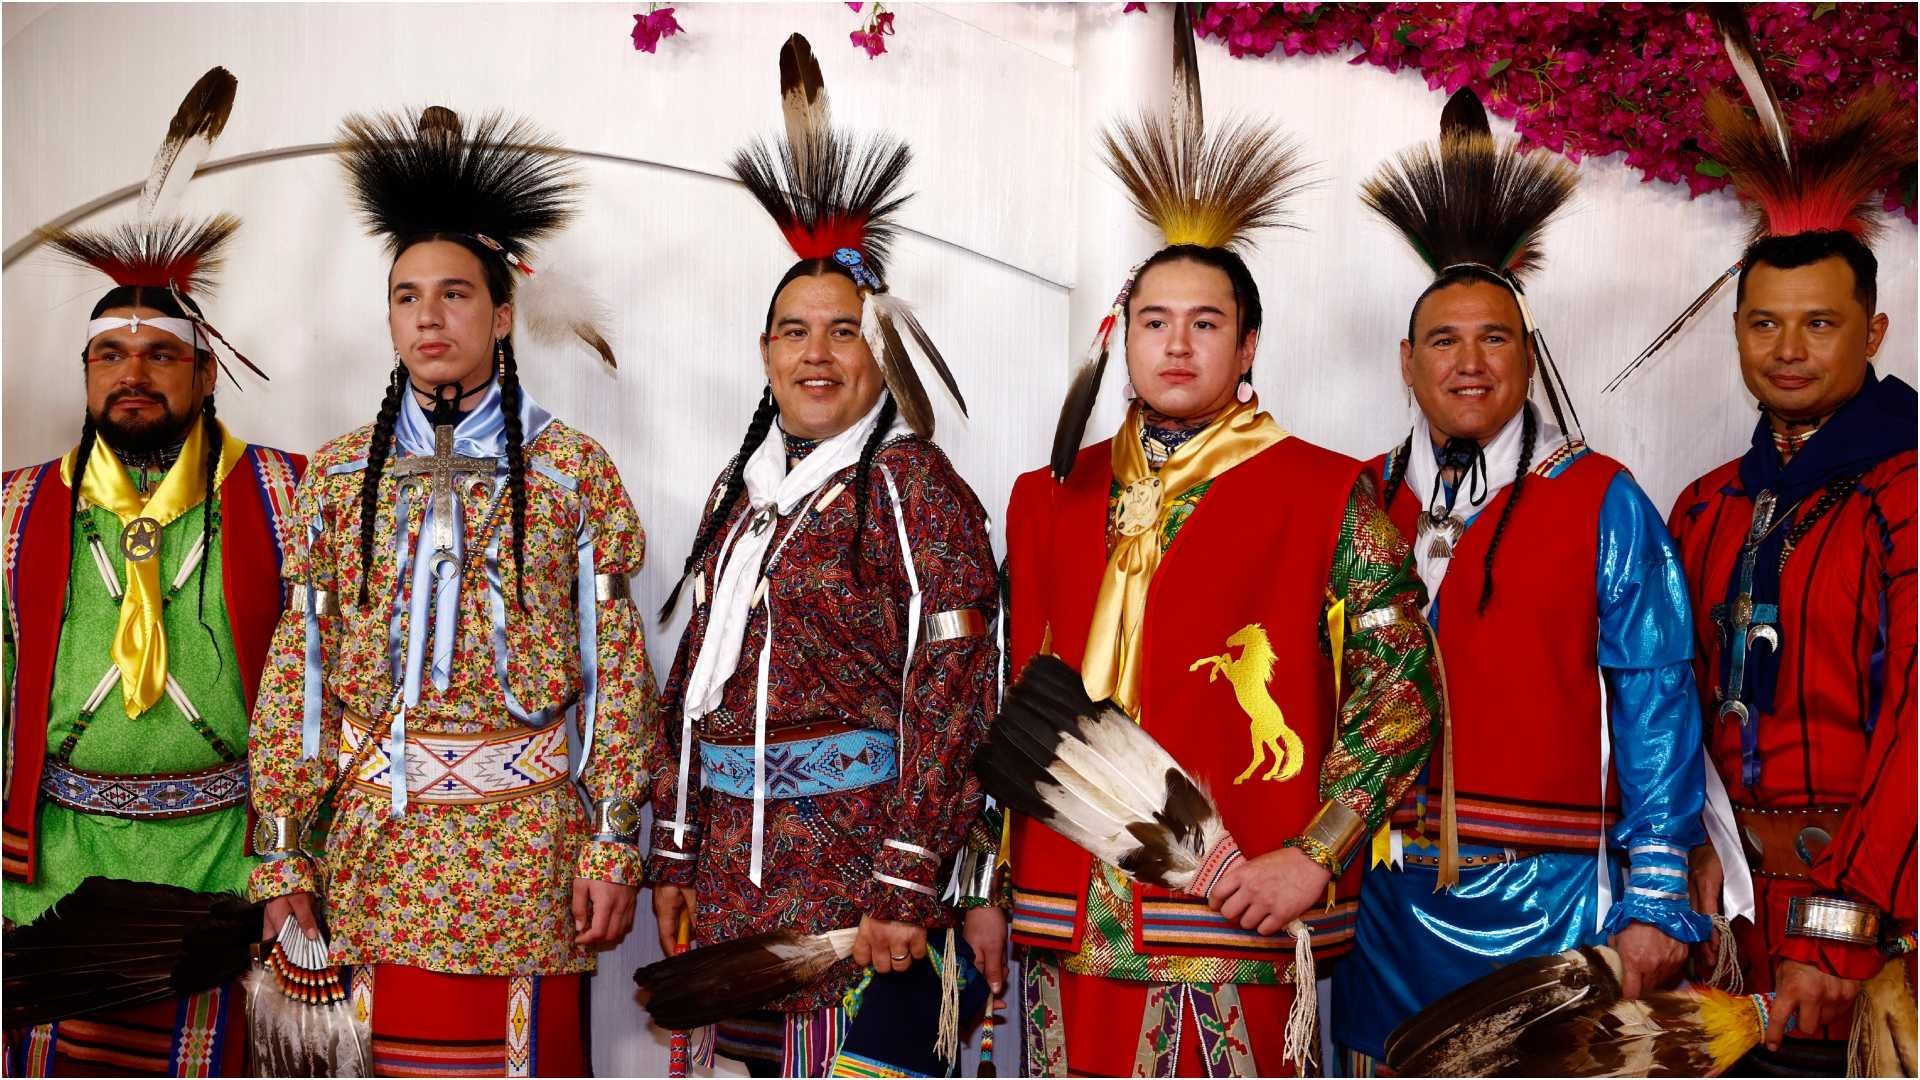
(413, 176)
(1082, 392)
(1833, 179)
(1737, 40)
(890, 351)
(186, 254)
(718, 982)
(556, 306)
(1211, 190)
(1187, 114)
(1087, 771)
(114, 944)
(803, 100)
(1471, 198)
(1563, 1016)
(199, 120)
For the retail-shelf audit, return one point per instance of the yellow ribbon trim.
(1111, 668)
(139, 641)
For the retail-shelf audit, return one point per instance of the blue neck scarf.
(1872, 426)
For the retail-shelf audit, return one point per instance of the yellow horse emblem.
(1250, 673)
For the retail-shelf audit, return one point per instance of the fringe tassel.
(947, 1043)
(1882, 1042)
(1726, 958)
(1302, 1019)
(1449, 875)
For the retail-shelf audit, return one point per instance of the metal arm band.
(325, 603)
(1337, 830)
(1831, 918)
(948, 625)
(1378, 619)
(679, 856)
(976, 875)
(903, 883)
(911, 849)
(612, 587)
(616, 819)
(279, 836)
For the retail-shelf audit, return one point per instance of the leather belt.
(1498, 858)
(1782, 843)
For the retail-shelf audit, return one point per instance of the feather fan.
(114, 944)
(718, 982)
(1563, 1015)
(417, 174)
(1086, 770)
(201, 118)
(299, 1018)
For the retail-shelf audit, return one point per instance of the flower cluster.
(873, 33)
(649, 28)
(1588, 79)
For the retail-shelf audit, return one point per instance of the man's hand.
(1817, 998)
(299, 905)
(671, 903)
(888, 946)
(1705, 878)
(1649, 959)
(1264, 894)
(602, 913)
(985, 932)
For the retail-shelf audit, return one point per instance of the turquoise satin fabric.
(1414, 945)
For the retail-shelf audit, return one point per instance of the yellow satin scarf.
(1112, 664)
(139, 641)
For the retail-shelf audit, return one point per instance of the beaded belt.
(147, 796)
(483, 767)
(841, 762)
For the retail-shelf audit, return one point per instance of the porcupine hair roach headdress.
(1826, 183)
(160, 260)
(834, 196)
(1472, 206)
(1199, 189)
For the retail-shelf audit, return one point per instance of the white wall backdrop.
(1019, 240)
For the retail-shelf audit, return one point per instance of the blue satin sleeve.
(1645, 654)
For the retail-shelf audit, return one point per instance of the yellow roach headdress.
(1199, 188)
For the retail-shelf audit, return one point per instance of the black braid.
(378, 448)
(210, 435)
(861, 481)
(1528, 429)
(516, 462)
(89, 434)
(757, 429)
(1397, 463)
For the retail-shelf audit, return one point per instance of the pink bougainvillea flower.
(873, 36)
(649, 28)
(1132, 8)
(1589, 79)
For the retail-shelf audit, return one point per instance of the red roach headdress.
(160, 260)
(1827, 182)
(834, 197)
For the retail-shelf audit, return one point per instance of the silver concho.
(140, 540)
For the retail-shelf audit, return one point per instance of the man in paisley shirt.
(462, 674)
(836, 675)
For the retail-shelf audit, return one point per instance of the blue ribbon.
(315, 681)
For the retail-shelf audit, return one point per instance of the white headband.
(184, 329)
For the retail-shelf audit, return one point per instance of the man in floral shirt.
(461, 621)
